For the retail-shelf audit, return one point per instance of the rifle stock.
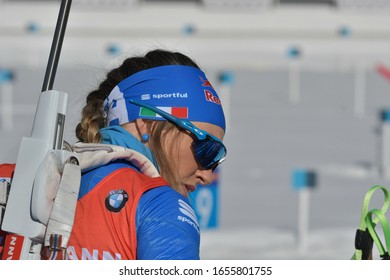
(19, 215)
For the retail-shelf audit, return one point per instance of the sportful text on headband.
(182, 91)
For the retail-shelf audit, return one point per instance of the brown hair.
(92, 118)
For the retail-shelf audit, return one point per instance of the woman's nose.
(204, 177)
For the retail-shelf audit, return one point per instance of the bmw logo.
(116, 200)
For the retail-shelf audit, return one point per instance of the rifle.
(43, 192)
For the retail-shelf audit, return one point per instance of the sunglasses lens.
(209, 152)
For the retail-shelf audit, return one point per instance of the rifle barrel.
(56, 45)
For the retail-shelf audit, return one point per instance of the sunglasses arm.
(180, 122)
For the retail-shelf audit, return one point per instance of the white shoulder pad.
(95, 155)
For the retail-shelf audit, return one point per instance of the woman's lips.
(190, 188)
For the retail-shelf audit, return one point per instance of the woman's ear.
(142, 128)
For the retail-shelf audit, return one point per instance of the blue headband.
(182, 91)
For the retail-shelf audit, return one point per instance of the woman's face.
(188, 174)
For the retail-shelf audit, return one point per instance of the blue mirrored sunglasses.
(208, 150)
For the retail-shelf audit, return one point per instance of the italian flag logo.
(178, 112)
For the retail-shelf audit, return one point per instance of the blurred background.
(305, 86)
